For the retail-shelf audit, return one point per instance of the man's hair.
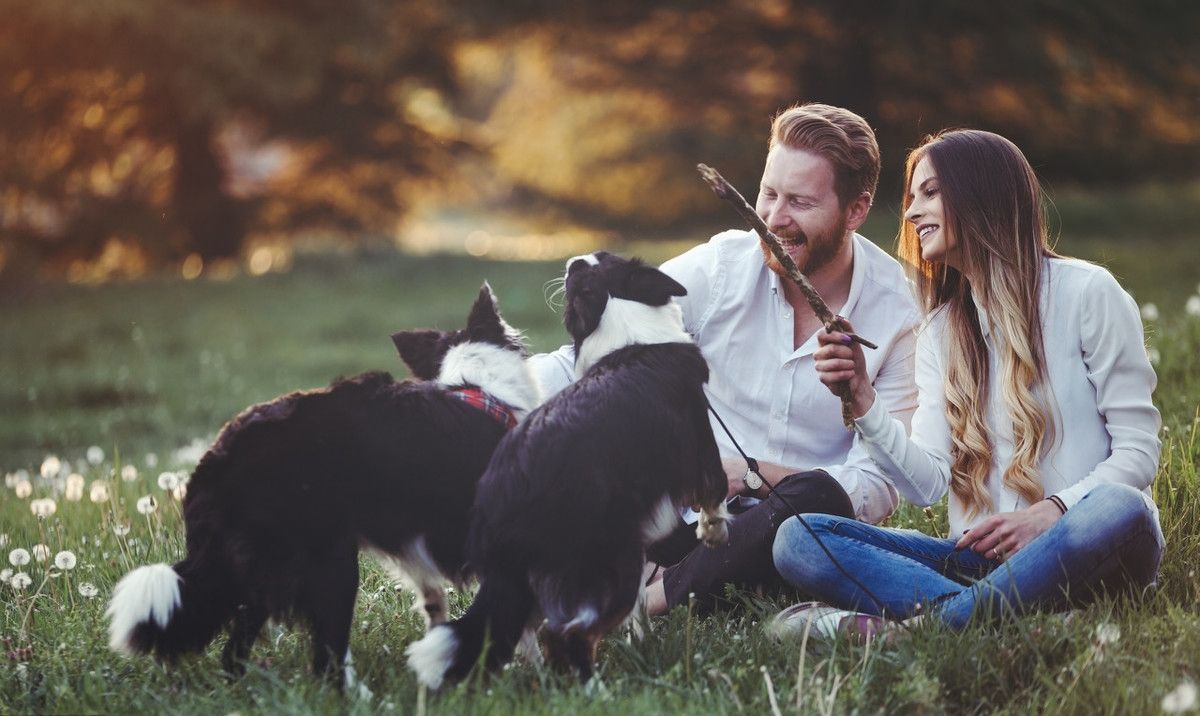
(837, 134)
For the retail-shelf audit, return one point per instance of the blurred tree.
(128, 119)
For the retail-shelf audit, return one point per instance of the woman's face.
(925, 212)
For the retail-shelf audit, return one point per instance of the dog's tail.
(496, 620)
(169, 611)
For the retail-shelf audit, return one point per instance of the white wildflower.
(129, 473)
(1180, 699)
(19, 557)
(87, 590)
(168, 481)
(1149, 312)
(20, 581)
(180, 492)
(65, 560)
(43, 508)
(74, 488)
(99, 491)
(1153, 354)
(146, 504)
(1192, 307)
(41, 552)
(23, 489)
(1107, 633)
(5, 574)
(151, 460)
(11, 479)
(191, 453)
(50, 466)
(120, 530)
(95, 455)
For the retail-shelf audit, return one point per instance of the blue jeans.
(1108, 541)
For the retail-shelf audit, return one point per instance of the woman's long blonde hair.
(991, 204)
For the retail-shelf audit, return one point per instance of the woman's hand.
(1001, 536)
(839, 361)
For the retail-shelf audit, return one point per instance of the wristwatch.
(752, 480)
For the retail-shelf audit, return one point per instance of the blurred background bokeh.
(211, 136)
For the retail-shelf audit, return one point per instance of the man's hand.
(1001, 536)
(735, 469)
(840, 361)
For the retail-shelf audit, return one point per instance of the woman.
(1034, 411)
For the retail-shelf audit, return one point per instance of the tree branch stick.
(725, 190)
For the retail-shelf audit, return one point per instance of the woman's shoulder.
(1075, 277)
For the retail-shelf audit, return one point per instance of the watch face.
(752, 481)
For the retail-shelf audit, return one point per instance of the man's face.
(797, 195)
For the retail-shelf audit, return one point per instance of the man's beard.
(822, 248)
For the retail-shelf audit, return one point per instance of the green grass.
(145, 368)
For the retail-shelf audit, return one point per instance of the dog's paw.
(713, 527)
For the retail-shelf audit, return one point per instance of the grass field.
(123, 382)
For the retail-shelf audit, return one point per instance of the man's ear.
(418, 351)
(857, 210)
(652, 287)
(484, 324)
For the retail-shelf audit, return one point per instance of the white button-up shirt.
(1100, 382)
(768, 392)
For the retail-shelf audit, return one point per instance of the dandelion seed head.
(168, 481)
(43, 508)
(20, 581)
(87, 590)
(50, 466)
(1180, 699)
(1192, 307)
(95, 455)
(5, 574)
(1149, 312)
(74, 488)
(146, 504)
(1107, 633)
(180, 492)
(120, 530)
(129, 473)
(151, 460)
(41, 552)
(65, 560)
(19, 557)
(99, 491)
(23, 489)
(10, 479)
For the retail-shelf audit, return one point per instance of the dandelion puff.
(87, 590)
(65, 560)
(1180, 699)
(19, 557)
(168, 481)
(1153, 354)
(129, 473)
(1107, 633)
(11, 479)
(74, 487)
(99, 491)
(20, 581)
(23, 489)
(5, 574)
(50, 466)
(43, 508)
(1149, 312)
(120, 530)
(1192, 307)
(41, 552)
(95, 455)
(147, 504)
(180, 492)
(151, 460)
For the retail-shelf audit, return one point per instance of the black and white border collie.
(575, 494)
(278, 508)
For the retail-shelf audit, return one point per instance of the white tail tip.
(431, 657)
(147, 594)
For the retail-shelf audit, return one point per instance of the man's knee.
(814, 491)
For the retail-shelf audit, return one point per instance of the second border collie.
(278, 508)
(574, 495)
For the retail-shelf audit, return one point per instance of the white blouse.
(1100, 381)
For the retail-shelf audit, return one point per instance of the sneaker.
(827, 623)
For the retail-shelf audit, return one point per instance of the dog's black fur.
(278, 508)
(574, 495)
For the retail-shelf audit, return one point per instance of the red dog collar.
(480, 400)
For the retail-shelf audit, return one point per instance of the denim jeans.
(1109, 541)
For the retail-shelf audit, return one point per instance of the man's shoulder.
(727, 247)
(882, 271)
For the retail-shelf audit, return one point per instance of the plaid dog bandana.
(480, 400)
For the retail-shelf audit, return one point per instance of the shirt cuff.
(874, 422)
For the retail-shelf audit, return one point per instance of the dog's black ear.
(418, 350)
(484, 324)
(650, 286)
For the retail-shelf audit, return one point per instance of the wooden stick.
(832, 322)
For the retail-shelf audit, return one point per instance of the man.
(758, 334)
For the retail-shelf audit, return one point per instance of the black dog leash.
(753, 465)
